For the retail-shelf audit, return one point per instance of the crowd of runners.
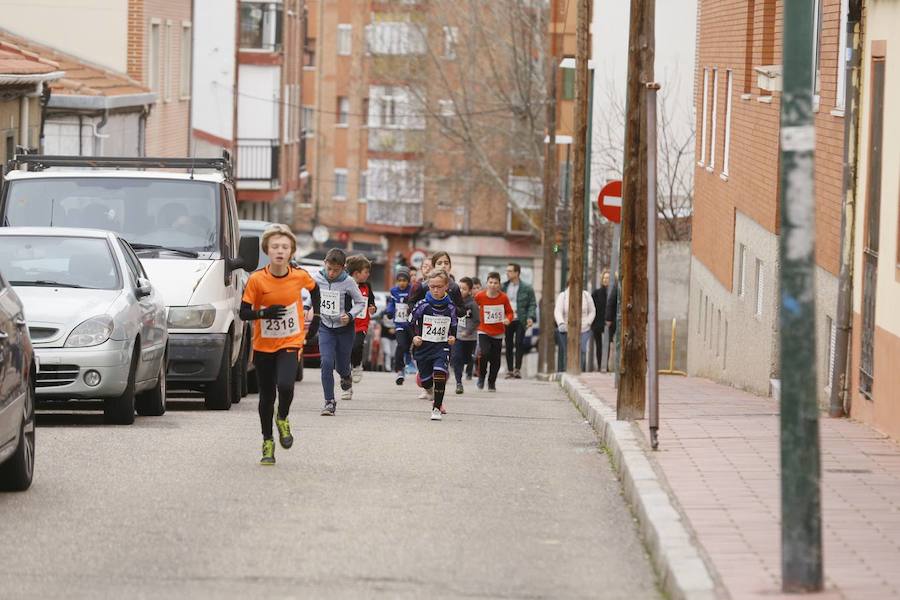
(442, 325)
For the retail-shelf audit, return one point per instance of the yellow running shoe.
(284, 433)
(268, 453)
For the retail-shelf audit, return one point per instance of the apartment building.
(148, 41)
(734, 268)
(874, 376)
(383, 90)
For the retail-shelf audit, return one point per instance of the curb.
(684, 575)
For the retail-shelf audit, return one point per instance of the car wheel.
(18, 471)
(120, 411)
(217, 394)
(152, 403)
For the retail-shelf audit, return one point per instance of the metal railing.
(383, 139)
(399, 214)
(258, 160)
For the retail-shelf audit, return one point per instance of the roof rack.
(39, 162)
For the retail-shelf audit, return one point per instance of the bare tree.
(675, 159)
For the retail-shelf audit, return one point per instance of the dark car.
(17, 374)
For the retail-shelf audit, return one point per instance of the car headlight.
(92, 332)
(192, 317)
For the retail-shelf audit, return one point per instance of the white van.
(184, 228)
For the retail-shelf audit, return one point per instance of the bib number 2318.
(435, 328)
(286, 326)
(331, 301)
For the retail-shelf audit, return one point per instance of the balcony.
(383, 139)
(257, 164)
(396, 214)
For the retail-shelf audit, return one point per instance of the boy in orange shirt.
(496, 313)
(273, 298)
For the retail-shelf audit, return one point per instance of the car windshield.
(55, 261)
(177, 214)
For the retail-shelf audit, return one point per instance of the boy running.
(273, 298)
(466, 334)
(341, 302)
(359, 267)
(398, 311)
(496, 314)
(434, 324)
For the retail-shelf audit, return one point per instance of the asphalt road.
(508, 497)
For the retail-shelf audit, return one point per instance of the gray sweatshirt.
(334, 295)
(468, 329)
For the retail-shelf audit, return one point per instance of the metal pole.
(801, 509)
(652, 295)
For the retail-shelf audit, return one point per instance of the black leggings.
(275, 370)
(490, 354)
(515, 345)
(462, 355)
(356, 354)
(404, 339)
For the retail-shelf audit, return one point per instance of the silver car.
(97, 324)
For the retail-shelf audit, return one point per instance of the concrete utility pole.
(633, 305)
(580, 145)
(801, 504)
(546, 355)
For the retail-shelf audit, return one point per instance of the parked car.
(17, 369)
(97, 323)
(182, 225)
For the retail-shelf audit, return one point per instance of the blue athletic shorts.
(432, 357)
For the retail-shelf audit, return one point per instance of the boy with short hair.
(434, 325)
(466, 334)
(359, 267)
(341, 302)
(496, 313)
(398, 310)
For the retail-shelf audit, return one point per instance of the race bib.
(493, 314)
(331, 303)
(401, 314)
(461, 323)
(286, 326)
(435, 328)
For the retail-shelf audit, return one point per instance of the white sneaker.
(347, 394)
(423, 395)
(357, 374)
(435, 414)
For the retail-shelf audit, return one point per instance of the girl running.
(273, 298)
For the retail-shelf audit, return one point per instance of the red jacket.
(362, 323)
(483, 300)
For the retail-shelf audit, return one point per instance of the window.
(760, 280)
(340, 184)
(817, 51)
(344, 39)
(714, 110)
(446, 108)
(153, 62)
(394, 38)
(451, 39)
(527, 194)
(394, 107)
(703, 125)
(343, 110)
(361, 184)
(186, 56)
(842, 61)
(167, 63)
(568, 84)
(309, 121)
(260, 26)
(742, 271)
(729, 87)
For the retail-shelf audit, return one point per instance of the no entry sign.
(609, 201)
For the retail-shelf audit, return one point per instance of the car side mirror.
(143, 289)
(248, 255)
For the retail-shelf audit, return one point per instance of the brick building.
(379, 94)
(734, 271)
(149, 41)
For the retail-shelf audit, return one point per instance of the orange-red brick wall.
(740, 35)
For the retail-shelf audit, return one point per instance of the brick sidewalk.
(719, 454)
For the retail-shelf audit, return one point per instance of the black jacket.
(599, 297)
(612, 305)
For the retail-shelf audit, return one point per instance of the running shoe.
(480, 383)
(284, 433)
(517, 374)
(435, 416)
(328, 410)
(459, 388)
(492, 388)
(400, 378)
(423, 395)
(357, 374)
(509, 375)
(346, 388)
(268, 453)
(347, 394)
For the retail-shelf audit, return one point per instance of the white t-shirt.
(512, 290)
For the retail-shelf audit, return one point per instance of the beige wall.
(95, 30)
(9, 123)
